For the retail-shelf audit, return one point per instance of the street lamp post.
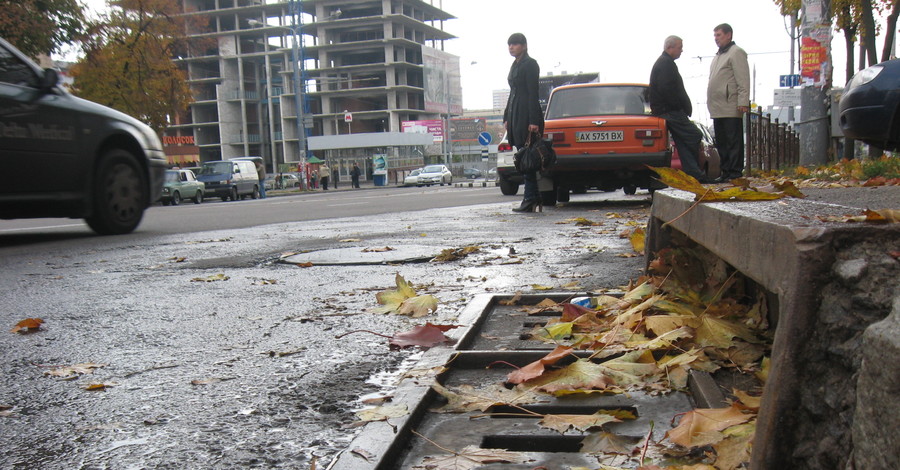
(299, 87)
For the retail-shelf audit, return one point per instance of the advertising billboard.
(435, 127)
(443, 90)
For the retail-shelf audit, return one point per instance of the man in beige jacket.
(728, 99)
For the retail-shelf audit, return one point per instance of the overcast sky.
(618, 39)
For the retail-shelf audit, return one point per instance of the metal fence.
(770, 145)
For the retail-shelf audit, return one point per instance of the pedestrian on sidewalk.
(335, 176)
(261, 174)
(728, 99)
(315, 179)
(670, 101)
(324, 175)
(522, 116)
(354, 176)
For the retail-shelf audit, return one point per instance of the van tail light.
(555, 136)
(504, 147)
(647, 133)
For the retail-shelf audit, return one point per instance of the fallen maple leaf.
(453, 254)
(71, 372)
(637, 240)
(382, 413)
(536, 368)
(562, 423)
(468, 458)
(610, 443)
(213, 278)
(424, 336)
(28, 325)
(466, 398)
(579, 375)
(404, 301)
(701, 426)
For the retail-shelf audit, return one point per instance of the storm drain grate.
(497, 342)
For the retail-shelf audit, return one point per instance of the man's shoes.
(706, 180)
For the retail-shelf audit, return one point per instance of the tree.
(128, 62)
(40, 26)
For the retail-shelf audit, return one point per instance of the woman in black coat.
(523, 111)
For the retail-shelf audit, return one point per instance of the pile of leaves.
(882, 171)
(690, 313)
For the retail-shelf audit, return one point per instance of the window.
(14, 70)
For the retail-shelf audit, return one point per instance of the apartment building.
(367, 66)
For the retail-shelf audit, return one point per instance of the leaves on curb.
(680, 180)
(702, 426)
(468, 458)
(424, 336)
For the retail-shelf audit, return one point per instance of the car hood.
(150, 139)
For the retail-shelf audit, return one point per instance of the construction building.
(366, 66)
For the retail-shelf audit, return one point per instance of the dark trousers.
(325, 183)
(531, 186)
(354, 181)
(730, 144)
(687, 141)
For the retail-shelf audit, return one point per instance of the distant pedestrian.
(728, 99)
(315, 179)
(670, 101)
(354, 176)
(324, 175)
(261, 173)
(335, 176)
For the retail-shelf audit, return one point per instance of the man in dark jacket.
(670, 101)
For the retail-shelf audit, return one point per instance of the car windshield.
(598, 100)
(414, 172)
(432, 169)
(171, 176)
(216, 168)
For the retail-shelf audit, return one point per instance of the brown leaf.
(536, 368)
(28, 325)
(610, 443)
(71, 372)
(425, 336)
(701, 426)
(467, 459)
(562, 423)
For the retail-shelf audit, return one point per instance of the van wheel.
(198, 198)
(176, 198)
(255, 193)
(234, 194)
(119, 195)
(630, 190)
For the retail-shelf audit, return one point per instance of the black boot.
(528, 206)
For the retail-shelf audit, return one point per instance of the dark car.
(97, 163)
(472, 173)
(870, 104)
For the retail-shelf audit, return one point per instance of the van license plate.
(600, 136)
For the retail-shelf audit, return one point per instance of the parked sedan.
(412, 179)
(182, 184)
(604, 137)
(435, 174)
(472, 173)
(870, 103)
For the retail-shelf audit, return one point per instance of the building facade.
(364, 70)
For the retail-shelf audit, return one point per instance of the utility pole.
(815, 75)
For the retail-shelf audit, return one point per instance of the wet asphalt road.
(247, 372)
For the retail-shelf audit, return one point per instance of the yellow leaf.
(558, 330)
(747, 400)
(213, 278)
(540, 287)
(98, 386)
(418, 306)
(637, 240)
(581, 374)
(719, 332)
(734, 451)
(763, 373)
(27, 325)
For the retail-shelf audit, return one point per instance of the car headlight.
(864, 76)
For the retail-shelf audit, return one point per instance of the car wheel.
(234, 194)
(119, 195)
(548, 198)
(508, 188)
(255, 193)
(198, 198)
(562, 193)
(176, 198)
(630, 190)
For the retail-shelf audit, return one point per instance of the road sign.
(484, 154)
(789, 80)
(484, 138)
(348, 117)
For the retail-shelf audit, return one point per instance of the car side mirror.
(49, 80)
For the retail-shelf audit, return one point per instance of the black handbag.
(536, 155)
